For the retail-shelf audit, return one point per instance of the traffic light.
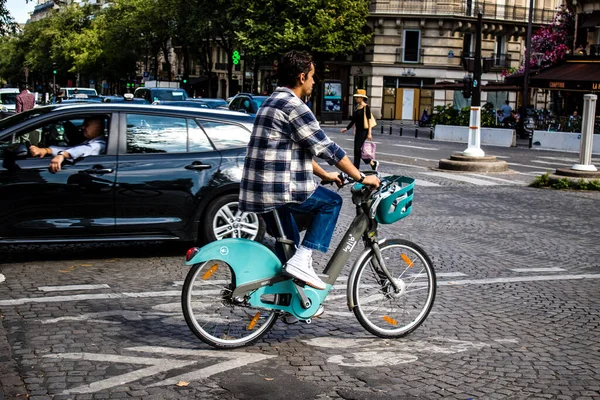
(467, 87)
(184, 80)
(54, 68)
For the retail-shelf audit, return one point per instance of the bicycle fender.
(249, 260)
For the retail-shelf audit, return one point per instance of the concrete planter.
(489, 136)
(565, 141)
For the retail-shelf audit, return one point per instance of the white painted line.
(534, 173)
(412, 158)
(176, 293)
(83, 297)
(2, 278)
(439, 275)
(537, 269)
(498, 179)
(402, 165)
(462, 178)
(66, 288)
(551, 163)
(526, 166)
(420, 182)
(416, 147)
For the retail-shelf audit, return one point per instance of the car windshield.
(89, 92)
(169, 95)
(18, 118)
(8, 98)
(258, 101)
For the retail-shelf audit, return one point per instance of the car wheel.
(223, 220)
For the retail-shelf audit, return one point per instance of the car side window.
(197, 140)
(156, 134)
(246, 106)
(226, 135)
(235, 104)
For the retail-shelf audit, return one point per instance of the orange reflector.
(389, 320)
(407, 260)
(209, 273)
(253, 321)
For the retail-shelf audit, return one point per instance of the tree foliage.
(320, 26)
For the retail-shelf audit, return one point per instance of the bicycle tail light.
(191, 253)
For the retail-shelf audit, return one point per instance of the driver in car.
(94, 144)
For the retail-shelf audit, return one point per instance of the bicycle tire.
(213, 316)
(394, 314)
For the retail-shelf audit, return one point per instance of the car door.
(164, 162)
(74, 203)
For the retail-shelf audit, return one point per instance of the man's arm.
(19, 106)
(345, 165)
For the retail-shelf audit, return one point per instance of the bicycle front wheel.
(214, 316)
(381, 309)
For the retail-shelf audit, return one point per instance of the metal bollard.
(401, 128)
(390, 127)
(417, 131)
(431, 132)
(382, 127)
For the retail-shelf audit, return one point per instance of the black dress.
(361, 133)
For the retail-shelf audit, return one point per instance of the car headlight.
(4, 109)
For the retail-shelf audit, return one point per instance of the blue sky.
(19, 8)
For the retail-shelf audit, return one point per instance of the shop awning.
(574, 75)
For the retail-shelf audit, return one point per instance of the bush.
(447, 115)
(543, 181)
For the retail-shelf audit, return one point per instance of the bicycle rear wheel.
(378, 308)
(214, 316)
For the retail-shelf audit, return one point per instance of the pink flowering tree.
(551, 43)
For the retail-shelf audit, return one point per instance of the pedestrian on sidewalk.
(362, 133)
(25, 100)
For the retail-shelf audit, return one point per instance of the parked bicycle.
(237, 288)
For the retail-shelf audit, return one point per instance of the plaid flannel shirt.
(278, 166)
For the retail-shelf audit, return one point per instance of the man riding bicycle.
(279, 166)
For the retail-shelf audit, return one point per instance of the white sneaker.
(300, 267)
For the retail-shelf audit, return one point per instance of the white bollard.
(473, 147)
(587, 134)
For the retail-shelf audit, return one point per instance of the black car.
(152, 95)
(247, 103)
(169, 173)
(214, 103)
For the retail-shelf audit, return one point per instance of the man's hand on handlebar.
(371, 180)
(333, 177)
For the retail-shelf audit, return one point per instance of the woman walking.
(361, 132)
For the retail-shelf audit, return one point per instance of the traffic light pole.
(474, 145)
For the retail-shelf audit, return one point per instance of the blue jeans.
(324, 206)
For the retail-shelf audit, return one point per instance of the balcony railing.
(409, 56)
(456, 8)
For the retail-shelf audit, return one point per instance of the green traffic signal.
(185, 81)
(54, 72)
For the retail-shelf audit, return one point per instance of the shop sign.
(596, 86)
(559, 85)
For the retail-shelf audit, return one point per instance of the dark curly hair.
(292, 64)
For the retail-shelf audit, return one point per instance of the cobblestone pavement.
(517, 313)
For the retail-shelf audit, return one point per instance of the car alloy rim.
(231, 223)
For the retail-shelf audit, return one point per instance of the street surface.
(517, 313)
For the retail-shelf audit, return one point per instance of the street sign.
(146, 74)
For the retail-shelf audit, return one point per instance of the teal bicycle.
(237, 288)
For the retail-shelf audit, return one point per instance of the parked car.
(152, 94)
(70, 91)
(8, 98)
(127, 98)
(214, 103)
(183, 103)
(247, 103)
(169, 173)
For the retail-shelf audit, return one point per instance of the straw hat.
(360, 93)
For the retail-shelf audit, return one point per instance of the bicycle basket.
(396, 199)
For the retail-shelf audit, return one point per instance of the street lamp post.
(474, 145)
(525, 96)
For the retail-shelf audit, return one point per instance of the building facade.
(420, 43)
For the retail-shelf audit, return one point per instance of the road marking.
(402, 165)
(439, 275)
(175, 293)
(416, 147)
(412, 158)
(556, 269)
(550, 163)
(525, 165)
(462, 178)
(66, 288)
(499, 179)
(378, 352)
(160, 365)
